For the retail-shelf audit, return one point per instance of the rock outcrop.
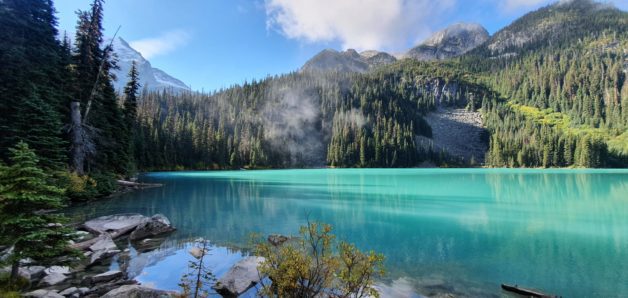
(116, 225)
(241, 277)
(453, 41)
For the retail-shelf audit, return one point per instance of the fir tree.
(26, 196)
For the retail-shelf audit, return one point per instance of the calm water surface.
(462, 231)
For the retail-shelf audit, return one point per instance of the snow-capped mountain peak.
(150, 77)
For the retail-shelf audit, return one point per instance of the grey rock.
(53, 279)
(102, 289)
(57, 269)
(241, 277)
(105, 243)
(107, 276)
(157, 225)
(450, 42)
(43, 293)
(136, 291)
(114, 224)
(69, 291)
(101, 255)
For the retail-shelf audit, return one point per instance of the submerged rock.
(241, 277)
(105, 277)
(136, 291)
(277, 240)
(157, 225)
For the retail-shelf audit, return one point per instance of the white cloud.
(360, 24)
(162, 44)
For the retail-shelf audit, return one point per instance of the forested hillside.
(308, 119)
(552, 89)
(561, 76)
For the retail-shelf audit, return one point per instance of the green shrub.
(315, 265)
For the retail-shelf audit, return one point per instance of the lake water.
(461, 231)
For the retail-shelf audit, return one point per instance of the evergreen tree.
(26, 194)
(130, 113)
(31, 97)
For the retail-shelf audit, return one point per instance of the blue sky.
(210, 44)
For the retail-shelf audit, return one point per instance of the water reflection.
(463, 231)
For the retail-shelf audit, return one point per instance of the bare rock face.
(155, 226)
(241, 277)
(453, 41)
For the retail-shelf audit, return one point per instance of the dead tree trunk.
(77, 135)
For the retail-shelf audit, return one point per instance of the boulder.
(136, 291)
(116, 225)
(241, 277)
(42, 293)
(107, 276)
(53, 279)
(105, 242)
(155, 226)
(277, 240)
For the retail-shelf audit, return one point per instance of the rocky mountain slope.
(347, 61)
(561, 23)
(150, 77)
(450, 42)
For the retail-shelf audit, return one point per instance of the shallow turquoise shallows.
(462, 231)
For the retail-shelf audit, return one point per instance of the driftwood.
(139, 185)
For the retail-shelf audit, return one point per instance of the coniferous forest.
(548, 91)
(561, 101)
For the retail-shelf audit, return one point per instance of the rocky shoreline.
(97, 246)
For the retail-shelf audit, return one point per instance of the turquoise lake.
(460, 231)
